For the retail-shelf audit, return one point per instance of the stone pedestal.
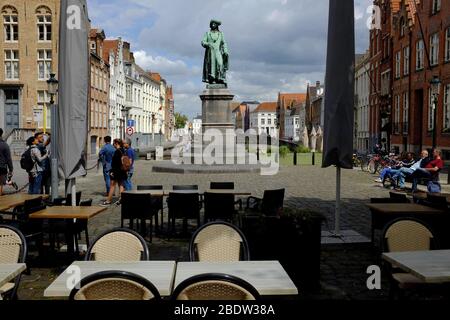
(216, 117)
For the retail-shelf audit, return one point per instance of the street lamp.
(52, 87)
(435, 90)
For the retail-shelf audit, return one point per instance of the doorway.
(11, 109)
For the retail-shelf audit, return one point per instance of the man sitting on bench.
(400, 175)
(431, 170)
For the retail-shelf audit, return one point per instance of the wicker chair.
(115, 285)
(118, 245)
(13, 249)
(406, 234)
(206, 287)
(219, 242)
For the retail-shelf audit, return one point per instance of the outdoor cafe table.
(383, 213)
(69, 214)
(423, 195)
(159, 273)
(13, 200)
(430, 266)
(268, 277)
(9, 271)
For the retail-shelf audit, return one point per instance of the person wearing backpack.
(33, 162)
(128, 185)
(6, 165)
(120, 166)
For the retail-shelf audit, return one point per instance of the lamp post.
(52, 84)
(435, 90)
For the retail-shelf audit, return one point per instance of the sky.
(275, 45)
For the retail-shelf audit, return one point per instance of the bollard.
(295, 158)
(313, 158)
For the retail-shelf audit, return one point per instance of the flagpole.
(337, 229)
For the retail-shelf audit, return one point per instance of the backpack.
(26, 161)
(126, 163)
(434, 187)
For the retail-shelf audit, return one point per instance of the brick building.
(412, 47)
(28, 48)
(285, 104)
(99, 92)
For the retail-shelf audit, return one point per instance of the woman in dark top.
(118, 175)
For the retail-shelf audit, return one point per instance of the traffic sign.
(130, 123)
(130, 131)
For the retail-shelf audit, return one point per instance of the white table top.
(429, 266)
(9, 271)
(159, 273)
(268, 277)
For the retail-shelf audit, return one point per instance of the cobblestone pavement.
(343, 268)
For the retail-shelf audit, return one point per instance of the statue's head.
(214, 24)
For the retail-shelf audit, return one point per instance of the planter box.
(293, 242)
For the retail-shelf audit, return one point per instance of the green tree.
(180, 120)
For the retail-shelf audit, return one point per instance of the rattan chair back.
(115, 285)
(218, 242)
(13, 246)
(118, 245)
(215, 287)
(407, 235)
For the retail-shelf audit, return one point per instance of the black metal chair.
(270, 205)
(13, 250)
(436, 201)
(219, 242)
(158, 203)
(399, 196)
(219, 206)
(115, 285)
(138, 207)
(184, 206)
(225, 186)
(215, 286)
(185, 187)
(118, 244)
(77, 199)
(31, 229)
(388, 200)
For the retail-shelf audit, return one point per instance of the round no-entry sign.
(130, 131)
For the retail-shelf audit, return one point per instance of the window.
(447, 44)
(11, 65)
(397, 64)
(430, 111)
(11, 27)
(447, 107)
(405, 61)
(269, 122)
(434, 49)
(420, 55)
(405, 112)
(402, 26)
(44, 24)
(44, 64)
(436, 6)
(263, 121)
(43, 101)
(397, 114)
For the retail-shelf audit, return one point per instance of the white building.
(197, 125)
(362, 92)
(264, 119)
(294, 123)
(113, 53)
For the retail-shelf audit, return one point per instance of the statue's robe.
(215, 64)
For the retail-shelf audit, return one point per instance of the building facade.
(99, 92)
(264, 119)
(362, 95)
(293, 124)
(285, 104)
(28, 48)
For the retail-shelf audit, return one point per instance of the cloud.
(275, 45)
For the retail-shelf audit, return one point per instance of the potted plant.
(293, 238)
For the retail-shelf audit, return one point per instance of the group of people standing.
(118, 166)
(425, 167)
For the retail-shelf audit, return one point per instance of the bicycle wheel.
(373, 167)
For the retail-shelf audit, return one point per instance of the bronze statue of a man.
(215, 65)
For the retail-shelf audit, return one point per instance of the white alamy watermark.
(229, 147)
